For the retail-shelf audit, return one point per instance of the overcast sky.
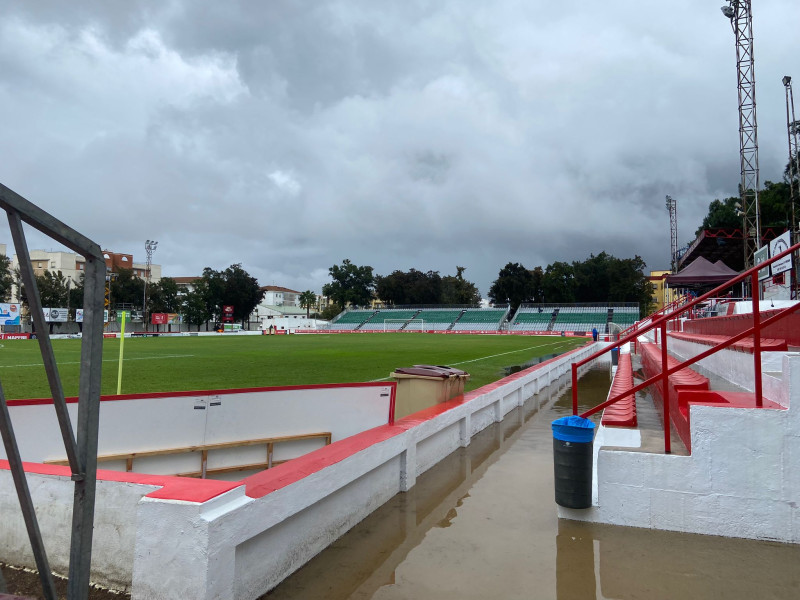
(289, 135)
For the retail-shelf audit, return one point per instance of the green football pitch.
(225, 362)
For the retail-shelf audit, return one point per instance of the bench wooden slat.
(128, 457)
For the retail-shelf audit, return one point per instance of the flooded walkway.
(483, 524)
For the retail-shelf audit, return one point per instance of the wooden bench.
(204, 449)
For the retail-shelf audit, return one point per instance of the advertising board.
(9, 314)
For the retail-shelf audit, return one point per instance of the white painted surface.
(741, 479)
(153, 423)
(114, 527)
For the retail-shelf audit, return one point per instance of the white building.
(280, 296)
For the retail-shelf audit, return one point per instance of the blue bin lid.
(573, 429)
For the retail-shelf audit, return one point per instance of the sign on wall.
(9, 314)
(760, 256)
(55, 315)
(159, 318)
(79, 315)
(776, 246)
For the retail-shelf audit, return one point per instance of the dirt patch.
(25, 583)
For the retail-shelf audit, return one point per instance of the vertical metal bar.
(574, 389)
(25, 500)
(665, 387)
(88, 425)
(756, 287)
(43, 336)
(203, 463)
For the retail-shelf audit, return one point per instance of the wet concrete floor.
(483, 524)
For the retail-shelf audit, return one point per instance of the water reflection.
(482, 523)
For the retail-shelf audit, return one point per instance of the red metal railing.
(659, 324)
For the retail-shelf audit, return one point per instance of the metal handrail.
(660, 324)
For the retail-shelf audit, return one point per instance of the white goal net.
(404, 324)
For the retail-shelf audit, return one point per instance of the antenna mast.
(741, 16)
(673, 233)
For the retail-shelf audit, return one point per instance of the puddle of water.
(534, 361)
(483, 523)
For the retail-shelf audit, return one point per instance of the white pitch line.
(77, 362)
(464, 362)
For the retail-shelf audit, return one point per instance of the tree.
(195, 308)
(308, 300)
(558, 283)
(126, 288)
(163, 296)
(412, 287)
(52, 289)
(514, 284)
(457, 290)
(351, 284)
(241, 291)
(6, 278)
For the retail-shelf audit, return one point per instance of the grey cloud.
(290, 135)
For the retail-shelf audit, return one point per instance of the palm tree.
(307, 300)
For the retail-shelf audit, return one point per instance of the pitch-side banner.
(55, 315)
(9, 314)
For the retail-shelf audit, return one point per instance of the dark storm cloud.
(288, 136)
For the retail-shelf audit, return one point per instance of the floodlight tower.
(149, 247)
(673, 233)
(793, 128)
(741, 17)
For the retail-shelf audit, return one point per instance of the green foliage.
(52, 289)
(163, 296)
(457, 290)
(412, 287)
(127, 288)
(234, 287)
(351, 284)
(558, 283)
(514, 285)
(308, 300)
(329, 312)
(227, 362)
(195, 307)
(6, 278)
(601, 278)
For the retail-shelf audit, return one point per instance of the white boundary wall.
(741, 479)
(242, 542)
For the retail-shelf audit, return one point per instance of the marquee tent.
(702, 272)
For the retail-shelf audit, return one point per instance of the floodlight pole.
(672, 208)
(741, 17)
(149, 247)
(793, 128)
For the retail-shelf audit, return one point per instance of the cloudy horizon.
(288, 136)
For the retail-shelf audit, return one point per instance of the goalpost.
(412, 324)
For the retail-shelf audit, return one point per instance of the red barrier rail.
(660, 325)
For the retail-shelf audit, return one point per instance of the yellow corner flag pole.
(121, 348)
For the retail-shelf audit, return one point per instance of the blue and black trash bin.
(573, 438)
(615, 356)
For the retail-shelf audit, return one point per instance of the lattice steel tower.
(673, 233)
(741, 17)
(793, 170)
